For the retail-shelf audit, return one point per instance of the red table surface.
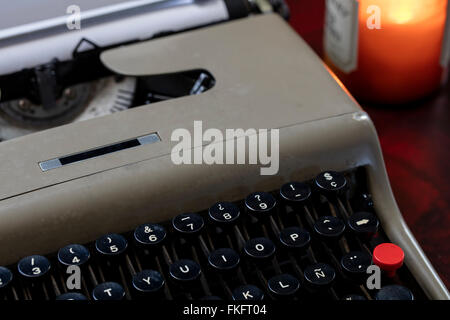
(416, 143)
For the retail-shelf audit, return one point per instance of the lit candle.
(398, 50)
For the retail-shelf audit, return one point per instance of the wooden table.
(415, 140)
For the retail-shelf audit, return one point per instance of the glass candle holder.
(387, 51)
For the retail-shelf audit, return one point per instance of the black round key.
(108, 291)
(295, 192)
(353, 297)
(248, 292)
(184, 270)
(319, 275)
(363, 223)
(259, 248)
(34, 266)
(224, 212)
(148, 281)
(329, 227)
(394, 292)
(364, 201)
(355, 263)
(112, 244)
(73, 254)
(224, 259)
(150, 234)
(71, 296)
(188, 223)
(330, 182)
(295, 238)
(6, 277)
(260, 202)
(283, 285)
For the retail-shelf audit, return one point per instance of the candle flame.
(406, 11)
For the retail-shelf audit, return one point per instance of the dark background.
(415, 140)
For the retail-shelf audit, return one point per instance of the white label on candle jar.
(445, 53)
(341, 33)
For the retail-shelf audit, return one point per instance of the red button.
(389, 257)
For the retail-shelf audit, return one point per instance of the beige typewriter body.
(266, 77)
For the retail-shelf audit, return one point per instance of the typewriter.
(89, 185)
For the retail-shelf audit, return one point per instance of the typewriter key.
(295, 192)
(329, 227)
(259, 248)
(355, 263)
(295, 238)
(34, 267)
(149, 235)
(184, 270)
(188, 223)
(224, 213)
(224, 259)
(148, 281)
(319, 276)
(73, 254)
(111, 245)
(330, 182)
(71, 296)
(248, 292)
(6, 277)
(283, 285)
(108, 291)
(260, 204)
(394, 292)
(363, 223)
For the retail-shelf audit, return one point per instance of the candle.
(398, 49)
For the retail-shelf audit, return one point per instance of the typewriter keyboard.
(307, 240)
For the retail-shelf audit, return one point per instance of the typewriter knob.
(363, 223)
(71, 296)
(260, 204)
(188, 223)
(248, 292)
(148, 282)
(108, 291)
(34, 267)
(295, 192)
(394, 292)
(111, 245)
(149, 235)
(329, 227)
(224, 259)
(319, 276)
(73, 254)
(224, 213)
(389, 257)
(330, 182)
(295, 238)
(259, 249)
(283, 285)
